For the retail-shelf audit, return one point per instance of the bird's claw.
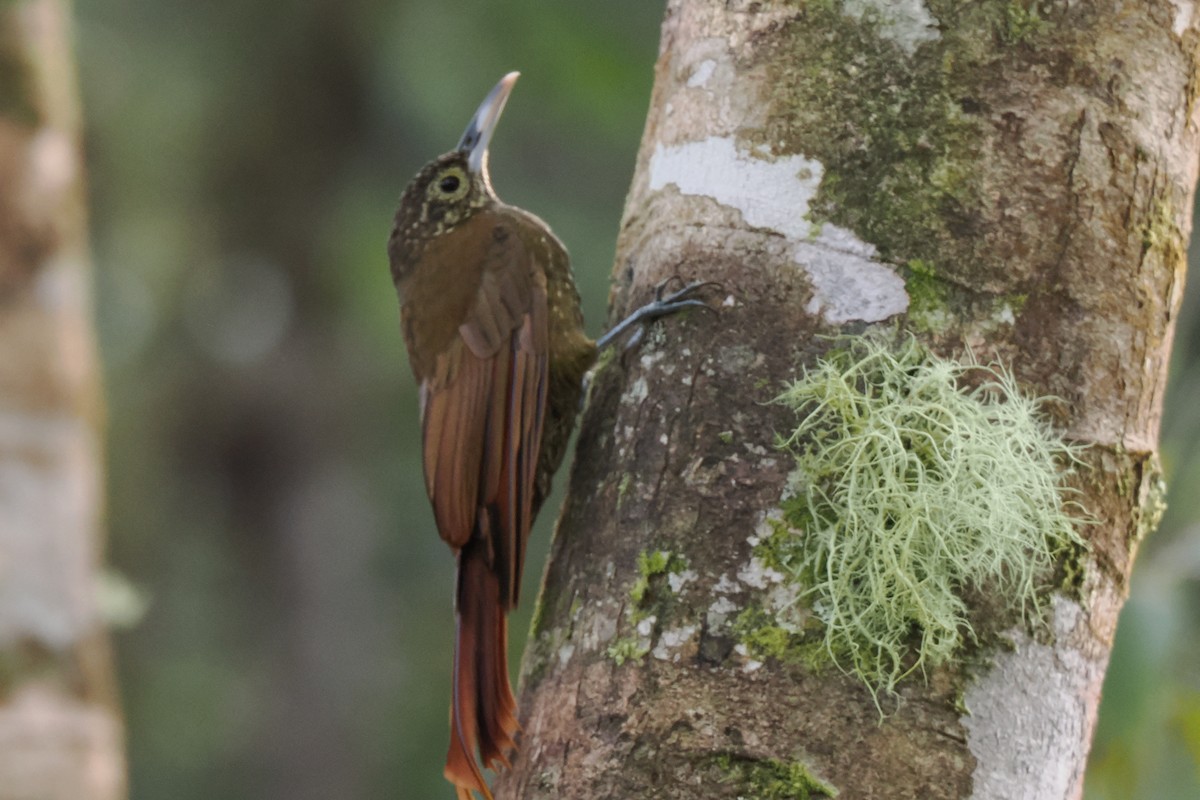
(685, 290)
(660, 306)
(684, 297)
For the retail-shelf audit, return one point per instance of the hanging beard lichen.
(912, 487)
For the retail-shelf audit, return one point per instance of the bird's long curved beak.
(478, 135)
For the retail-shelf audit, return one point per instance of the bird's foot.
(660, 306)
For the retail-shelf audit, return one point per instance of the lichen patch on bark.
(770, 193)
(908, 23)
(849, 282)
(1026, 726)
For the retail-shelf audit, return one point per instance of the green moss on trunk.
(770, 779)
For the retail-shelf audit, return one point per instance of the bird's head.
(448, 190)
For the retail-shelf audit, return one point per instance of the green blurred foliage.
(265, 490)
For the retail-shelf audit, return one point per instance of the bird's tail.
(482, 708)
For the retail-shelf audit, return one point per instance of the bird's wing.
(483, 404)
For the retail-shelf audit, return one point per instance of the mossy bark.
(1012, 179)
(60, 728)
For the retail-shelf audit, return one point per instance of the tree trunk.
(60, 731)
(1012, 179)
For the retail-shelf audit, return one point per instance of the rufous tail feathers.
(482, 708)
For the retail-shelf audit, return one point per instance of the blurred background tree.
(264, 480)
(60, 721)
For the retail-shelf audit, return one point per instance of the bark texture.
(60, 731)
(1011, 178)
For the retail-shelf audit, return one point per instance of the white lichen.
(847, 283)
(677, 580)
(719, 612)
(702, 73)
(726, 586)
(773, 194)
(598, 631)
(1185, 10)
(648, 360)
(673, 641)
(1026, 725)
(638, 391)
(908, 23)
(564, 654)
(758, 575)
(749, 664)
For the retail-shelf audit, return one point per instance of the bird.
(491, 319)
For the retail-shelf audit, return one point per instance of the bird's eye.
(449, 185)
